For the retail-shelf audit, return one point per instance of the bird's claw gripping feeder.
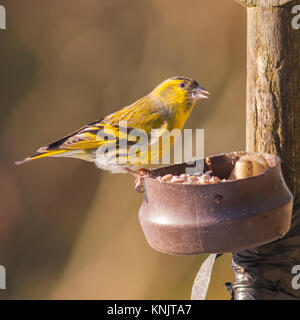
(228, 216)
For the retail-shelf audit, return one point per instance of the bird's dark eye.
(182, 85)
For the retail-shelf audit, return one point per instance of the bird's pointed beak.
(199, 93)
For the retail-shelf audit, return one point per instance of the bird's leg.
(139, 178)
(139, 187)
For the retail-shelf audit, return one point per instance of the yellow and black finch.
(167, 107)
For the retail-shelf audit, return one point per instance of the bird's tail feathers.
(40, 155)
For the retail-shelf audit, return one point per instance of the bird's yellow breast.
(181, 113)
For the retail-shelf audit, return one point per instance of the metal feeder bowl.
(228, 216)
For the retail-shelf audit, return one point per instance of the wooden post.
(273, 126)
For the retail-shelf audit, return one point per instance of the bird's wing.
(125, 134)
(96, 134)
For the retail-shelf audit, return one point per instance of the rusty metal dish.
(228, 216)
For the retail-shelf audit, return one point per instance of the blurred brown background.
(67, 229)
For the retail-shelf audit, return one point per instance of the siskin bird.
(110, 142)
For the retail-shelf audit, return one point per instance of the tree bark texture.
(273, 126)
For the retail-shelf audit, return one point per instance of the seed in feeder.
(259, 163)
(242, 169)
(189, 179)
(192, 179)
(203, 179)
(214, 179)
(177, 179)
(249, 165)
(166, 178)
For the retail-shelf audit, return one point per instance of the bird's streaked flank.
(110, 145)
